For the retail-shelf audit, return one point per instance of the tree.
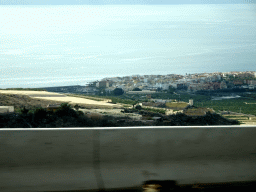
(40, 113)
(102, 92)
(138, 107)
(171, 89)
(118, 91)
(65, 106)
(66, 110)
(24, 111)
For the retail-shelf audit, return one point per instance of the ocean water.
(43, 46)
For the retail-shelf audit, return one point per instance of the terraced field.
(242, 118)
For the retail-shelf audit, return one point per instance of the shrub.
(138, 107)
(80, 113)
(66, 110)
(114, 100)
(76, 107)
(24, 111)
(40, 113)
(137, 89)
(118, 91)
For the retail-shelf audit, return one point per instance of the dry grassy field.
(50, 97)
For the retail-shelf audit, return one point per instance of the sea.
(62, 45)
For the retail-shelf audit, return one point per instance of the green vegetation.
(235, 105)
(136, 89)
(181, 97)
(118, 91)
(76, 107)
(65, 116)
(123, 101)
(171, 90)
(208, 119)
(138, 107)
(198, 111)
(154, 110)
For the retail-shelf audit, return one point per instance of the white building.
(174, 85)
(191, 102)
(6, 109)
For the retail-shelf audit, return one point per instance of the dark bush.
(76, 107)
(66, 111)
(40, 113)
(24, 111)
(138, 107)
(80, 113)
(84, 121)
(137, 89)
(118, 91)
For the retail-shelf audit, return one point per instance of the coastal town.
(151, 83)
(147, 98)
(189, 82)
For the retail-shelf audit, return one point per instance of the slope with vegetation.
(65, 116)
(21, 101)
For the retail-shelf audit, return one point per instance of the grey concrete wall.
(71, 159)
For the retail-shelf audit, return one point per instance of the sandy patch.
(76, 100)
(32, 93)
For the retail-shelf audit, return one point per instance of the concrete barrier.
(93, 158)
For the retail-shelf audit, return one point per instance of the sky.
(107, 2)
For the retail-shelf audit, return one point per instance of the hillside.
(20, 101)
(32, 99)
(67, 117)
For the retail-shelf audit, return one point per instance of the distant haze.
(119, 2)
(61, 45)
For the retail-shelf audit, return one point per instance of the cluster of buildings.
(189, 82)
